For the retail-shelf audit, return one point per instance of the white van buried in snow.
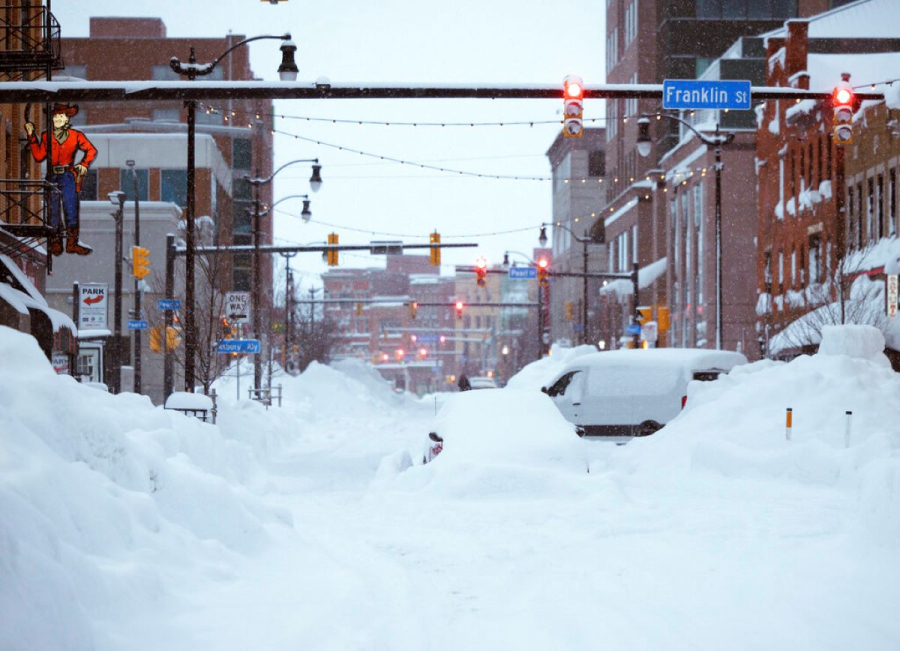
(633, 392)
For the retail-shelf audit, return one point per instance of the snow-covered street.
(126, 526)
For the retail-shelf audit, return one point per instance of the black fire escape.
(29, 49)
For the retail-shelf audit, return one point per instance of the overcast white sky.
(398, 41)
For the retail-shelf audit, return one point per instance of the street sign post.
(245, 346)
(694, 94)
(892, 294)
(137, 324)
(633, 329)
(168, 304)
(237, 307)
(522, 273)
(92, 312)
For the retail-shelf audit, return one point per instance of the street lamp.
(714, 142)
(287, 71)
(585, 240)
(305, 214)
(315, 183)
(117, 199)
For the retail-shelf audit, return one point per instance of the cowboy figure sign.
(65, 173)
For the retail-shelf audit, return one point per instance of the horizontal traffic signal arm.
(320, 248)
(563, 274)
(19, 92)
(470, 305)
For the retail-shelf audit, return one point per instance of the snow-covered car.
(633, 392)
(508, 427)
(481, 382)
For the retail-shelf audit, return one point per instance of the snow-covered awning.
(23, 296)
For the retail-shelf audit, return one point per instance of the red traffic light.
(423, 352)
(543, 263)
(574, 87)
(481, 264)
(843, 95)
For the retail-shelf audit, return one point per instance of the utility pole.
(288, 307)
(137, 281)
(117, 198)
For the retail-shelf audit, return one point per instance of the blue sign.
(698, 94)
(250, 346)
(427, 339)
(168, 304)
(137, 324)
(634, 329)
(522, 273)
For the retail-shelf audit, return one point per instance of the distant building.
(578, 166)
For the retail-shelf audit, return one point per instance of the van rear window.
(641, 380)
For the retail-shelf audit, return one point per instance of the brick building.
(29, 50)
(821, 203)
(648, 42)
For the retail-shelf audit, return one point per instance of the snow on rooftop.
(825, 69)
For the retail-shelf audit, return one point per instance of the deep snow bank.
(104, 495)
(735, 426)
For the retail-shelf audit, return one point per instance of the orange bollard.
(787, 428)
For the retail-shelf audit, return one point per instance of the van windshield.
(633, 380)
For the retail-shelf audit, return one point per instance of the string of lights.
(243, 116)
(886, 82)
(411, 235)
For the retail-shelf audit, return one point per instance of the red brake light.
(683, 401)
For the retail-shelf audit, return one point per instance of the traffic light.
(842, 99)
(570, 310)
(332, 256)
(573, 106)
(645, 314)
(173, 338)
(423, 353)
(459, 309)
(481, 271)
(662, 318)
(156, 339)
(140, 262)
(226, 328)
(413, 310)
(434, 253)
(543, 266)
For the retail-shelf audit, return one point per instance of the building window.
(242, 153)
(781, 269)
(76, 72)
(892, 203)
(851, 231)
(870, 210)
(879, 202)
(173, 187)
(698, 223)
(89, 190)
(859, 215)
(167, 115)
(597, 163)
(814, 266)
(126, 183)
(793, 278)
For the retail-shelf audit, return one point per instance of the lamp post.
(315, 183)
(117, 199)
(137, 309)
(584, 240)
(287, 72)
(714, 142)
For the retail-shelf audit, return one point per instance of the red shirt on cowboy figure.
(65, 173)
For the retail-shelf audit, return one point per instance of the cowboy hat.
(70, 110)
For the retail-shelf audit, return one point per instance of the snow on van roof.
(684, 357)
